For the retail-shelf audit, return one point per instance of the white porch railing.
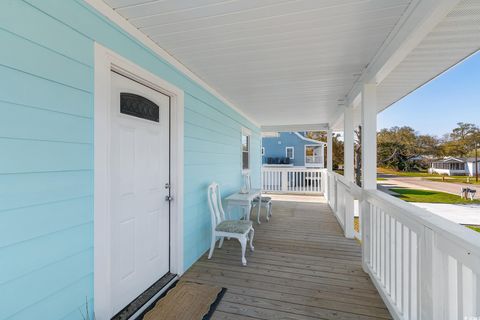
(424, 266)
(291, 180)
(341, 196)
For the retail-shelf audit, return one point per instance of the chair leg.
(220, 243)
(212, 246)
(270, 210)
(252, 233)
(243, 243)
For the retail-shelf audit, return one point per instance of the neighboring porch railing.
(424, 267)
(314, 160)
(291, 180)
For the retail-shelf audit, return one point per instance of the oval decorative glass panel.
(138, 106)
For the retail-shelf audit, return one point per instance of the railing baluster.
(400, 286)
(393, 254)
(460, 289)
(387, 253)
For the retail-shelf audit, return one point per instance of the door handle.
(168, 198)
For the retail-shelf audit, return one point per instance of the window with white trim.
(289, 153)
(245, 150)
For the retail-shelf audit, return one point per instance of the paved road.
(419, 183)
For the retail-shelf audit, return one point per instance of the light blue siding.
(275, 147)
(46, 139)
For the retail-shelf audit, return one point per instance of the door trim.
(107, 61)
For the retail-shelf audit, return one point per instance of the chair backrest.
(215, 204)
(247, 181)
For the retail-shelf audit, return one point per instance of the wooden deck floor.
(302, 268)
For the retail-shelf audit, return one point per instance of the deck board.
(302, 268)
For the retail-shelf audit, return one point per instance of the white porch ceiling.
(457, 36)
(280, 61)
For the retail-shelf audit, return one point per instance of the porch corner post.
(329, 164)
(329, 150)
(369, 163)
(348, 144)
(348, 170)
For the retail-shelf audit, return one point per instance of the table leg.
(229, 208)
(259, 207)
(249, 208)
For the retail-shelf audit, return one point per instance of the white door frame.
(106, 61)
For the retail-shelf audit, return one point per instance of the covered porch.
(213, 75)
(302, 268)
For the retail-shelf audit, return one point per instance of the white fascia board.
(295, 127)
(418, 20)
(308, 139)
(123, 23)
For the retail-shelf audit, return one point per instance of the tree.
(401, 148)
(461, 141)
(358, 156)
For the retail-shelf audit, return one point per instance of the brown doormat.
(187, 301)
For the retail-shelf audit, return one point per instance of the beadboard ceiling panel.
(279, 61)
(453, 39)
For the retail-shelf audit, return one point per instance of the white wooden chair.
(238, 229)
(266, 201)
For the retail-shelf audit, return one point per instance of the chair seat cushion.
(234, 226)
(264, 199)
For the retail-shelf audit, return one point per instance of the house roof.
(455, 160)
(301, 136)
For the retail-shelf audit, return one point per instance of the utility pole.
(476, 161)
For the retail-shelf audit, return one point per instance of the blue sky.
(436, 107)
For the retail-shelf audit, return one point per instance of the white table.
(244, 200)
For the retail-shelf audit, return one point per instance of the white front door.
(139, 179)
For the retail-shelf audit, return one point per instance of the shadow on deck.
(302, 268)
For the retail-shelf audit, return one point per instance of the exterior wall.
(275, 147)
(471, 168)
(447, 172)
(46, 138)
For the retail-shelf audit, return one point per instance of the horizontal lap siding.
(46, 168)
(212, 153)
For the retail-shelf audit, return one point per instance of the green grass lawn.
(428, 176)
(405, 173)
(381, 179)
(429, 196)
(474, 228)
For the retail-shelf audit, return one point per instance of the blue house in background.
(292, 149)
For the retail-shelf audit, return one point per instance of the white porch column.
(348, 170)
(329, 150)
(327, 192)
(369, 136)
(348, 144)
(369, 163)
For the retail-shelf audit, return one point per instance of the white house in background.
(454, 166)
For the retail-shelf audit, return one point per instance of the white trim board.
(295, 127)
(308, 139)
(106, 61)
(293, 152)
(123, 23)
